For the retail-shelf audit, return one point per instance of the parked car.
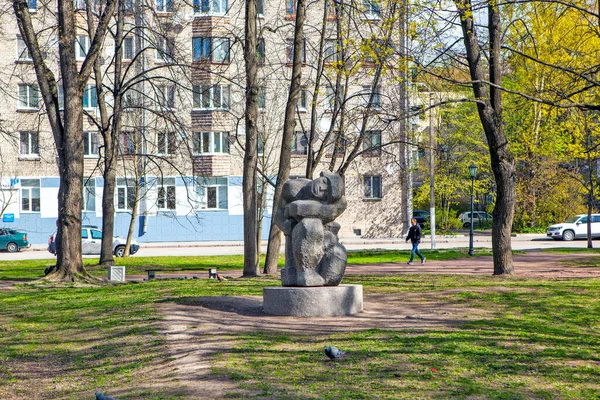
(12, 240)
(91, 242)
(574, 227)
(480, 218)
(421, 216)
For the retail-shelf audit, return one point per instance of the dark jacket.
(414, 234)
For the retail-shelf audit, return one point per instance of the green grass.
(27, 270)
(510, 339)
(568, 250)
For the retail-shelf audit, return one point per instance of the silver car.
(91, 242)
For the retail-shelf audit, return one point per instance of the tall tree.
(251, 146)
(288, 135)
(68, 127)
(489, 107)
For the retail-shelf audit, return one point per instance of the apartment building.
(181, 141)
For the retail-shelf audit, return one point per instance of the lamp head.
(472, 170)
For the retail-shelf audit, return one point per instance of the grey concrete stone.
(116, 274)
(323, 301)
(306, 215)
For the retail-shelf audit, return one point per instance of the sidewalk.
(479, 237)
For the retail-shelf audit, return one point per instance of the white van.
(480, 219)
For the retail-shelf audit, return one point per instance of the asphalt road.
(481, 240)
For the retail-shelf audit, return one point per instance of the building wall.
(366, 216)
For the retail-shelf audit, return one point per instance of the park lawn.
(530, 338)
(27, 270)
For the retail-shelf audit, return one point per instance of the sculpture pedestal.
(322, 301)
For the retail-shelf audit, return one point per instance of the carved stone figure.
(306, 215)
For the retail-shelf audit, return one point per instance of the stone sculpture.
(306, 215)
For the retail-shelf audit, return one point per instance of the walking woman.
(414, 234)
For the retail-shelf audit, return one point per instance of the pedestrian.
(414, 234)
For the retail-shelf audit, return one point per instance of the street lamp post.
(431, 174)
(472, 173)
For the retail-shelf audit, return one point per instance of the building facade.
(182, 137)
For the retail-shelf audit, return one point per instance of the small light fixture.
(472, 170)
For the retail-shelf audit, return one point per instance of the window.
(260, 51)
(260, 145)
(330, 97)
(372, 142)
(79, 5)
(165, 48)
(372, 187)
(166, 143)
(262, 97)
(372, 9)
(367, 90)
(302, 100)
(331, 52)
(290, 8)
(82, 46)
(164, 6)
(165, 96)
(125, 194)
(211, 142)
(91, 143)
(130, 100)
(260, 8)
(30, 195)
(166, 194)
(210, 6)
(376, 50)
(128, 49)
(32, 5)
(22, 50)
(90, 97)
(290, 50)
(338, 144)
(89, 194)
(211, 193)
(300, 143)
(28, 97)
(210, 49)
(208, 97)
(96, 234)
(29, 144)
(127, 143)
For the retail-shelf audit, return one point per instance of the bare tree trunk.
(288, 135)
(312, 132)
(262, 203)
(109, 131)
(489, 106)
(404, 160)
(251, 151)
(134, 214)
(68, 130)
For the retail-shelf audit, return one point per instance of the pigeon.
(333, 352)
(100, 396)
